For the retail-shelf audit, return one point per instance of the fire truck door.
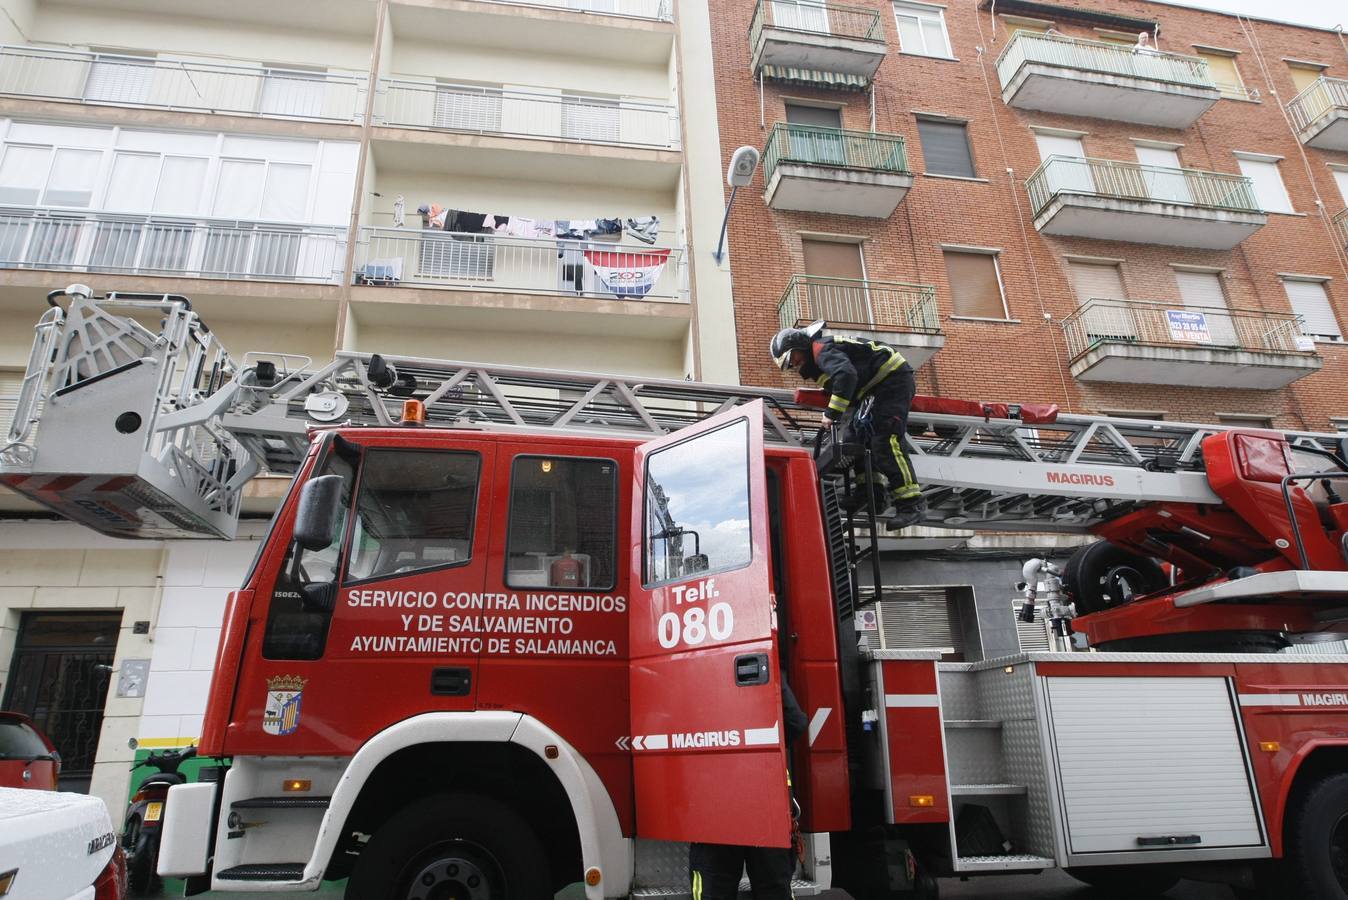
(708, 750)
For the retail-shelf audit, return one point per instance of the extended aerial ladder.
(132, 419)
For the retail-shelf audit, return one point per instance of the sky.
(1320, 13)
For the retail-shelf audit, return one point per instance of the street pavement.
(1048, 886)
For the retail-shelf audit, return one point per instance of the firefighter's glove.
(832, 416)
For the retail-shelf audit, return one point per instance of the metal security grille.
(56, 679)
(920, 619)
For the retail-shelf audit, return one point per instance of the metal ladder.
(208, 423)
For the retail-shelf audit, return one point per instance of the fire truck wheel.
(1104, 575)
(451, 847)
(1317, 842)
(1131, 882)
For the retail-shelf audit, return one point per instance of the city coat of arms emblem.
(281, 715)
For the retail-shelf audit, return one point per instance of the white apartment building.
(269, 161)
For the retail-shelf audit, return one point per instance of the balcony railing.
(1340, 223)
(1101, 57)
(1106, 321)
(830, 19)
(1132, 181)
(159, 245)
(476, 109)
(863, 304)
(816, 145)
(146, 81)
(1314, 103)
(658, 10)
(484, 262)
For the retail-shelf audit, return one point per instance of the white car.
(56, 846)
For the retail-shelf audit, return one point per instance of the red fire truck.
(512, 630)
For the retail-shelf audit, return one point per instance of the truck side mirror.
(319, 510)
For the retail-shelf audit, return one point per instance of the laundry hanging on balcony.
(626, 274)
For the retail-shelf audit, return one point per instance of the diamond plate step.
(1013, 862)
(263, 872)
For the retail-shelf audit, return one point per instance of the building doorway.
(59, 678)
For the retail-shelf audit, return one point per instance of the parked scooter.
(145, 817)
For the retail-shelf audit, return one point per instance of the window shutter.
(920, 620)
(1204, 290)
(974, 287)
(945, 147)
(1341, 178)
(1303, 77)
(1225, 75)
(1268, 187)
(1095, 281)
(1059, 145)
(823, 116)
(1311, 302)
(120, 80)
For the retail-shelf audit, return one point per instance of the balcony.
(478, 110)
(158, 245)
(828, 170)
(819, 37)
(1073, 77)
(1123, 201)
(1320, 114)
(1340, 223)
(1175, 344)
(104, 79)
(901, 314)
(487, 263)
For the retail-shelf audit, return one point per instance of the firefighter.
(854, 370)
(715, 869)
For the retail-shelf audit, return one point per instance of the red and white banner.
(627, 274)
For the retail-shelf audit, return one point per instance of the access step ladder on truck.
(514, 629)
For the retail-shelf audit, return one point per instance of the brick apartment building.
(1036, 208)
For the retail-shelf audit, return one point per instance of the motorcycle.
(145, 816)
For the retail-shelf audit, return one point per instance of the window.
(922, 30)
(131, 188)
(1222, 69)
(285, 197)
(180, 184)
(1310, 300)
(563, 521)
(72, 178)
(1163, 176)
(945, 148)
(975, 284)
(1341, 179)
(697, 506)
(23, 172)
(1240, 420)
(820, 139)
(238, 191)
(1268, 187)
(822, 116)
(296, 627)
(800, 15)
(414, 512)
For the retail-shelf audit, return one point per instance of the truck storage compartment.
(1150, 765)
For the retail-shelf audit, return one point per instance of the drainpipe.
(366, 129)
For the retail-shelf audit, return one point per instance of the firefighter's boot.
(907, 512)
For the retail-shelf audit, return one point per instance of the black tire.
(1316, 848)
(1125, 882)
(1102, 575)
(467, 845)
(141, 859)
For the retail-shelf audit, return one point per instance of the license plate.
(153, 811)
